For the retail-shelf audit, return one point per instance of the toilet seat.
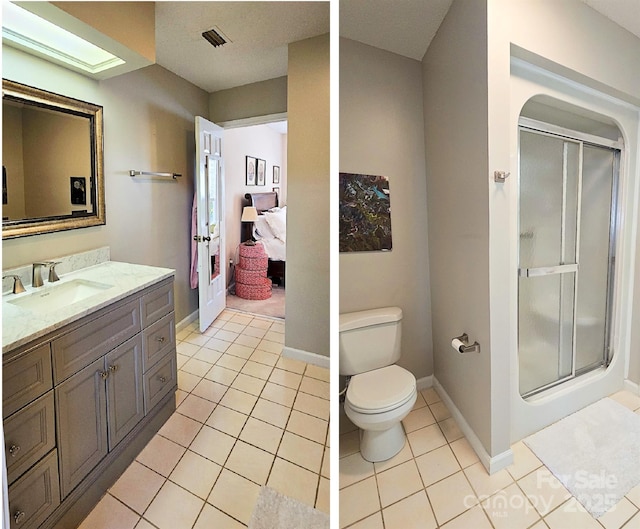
(380, 390)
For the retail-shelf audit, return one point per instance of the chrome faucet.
(18, 287)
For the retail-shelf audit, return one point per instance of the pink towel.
(194, 244)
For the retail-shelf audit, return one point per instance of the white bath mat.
(276, 511)
(594, 453)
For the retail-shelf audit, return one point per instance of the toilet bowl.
(376, 402)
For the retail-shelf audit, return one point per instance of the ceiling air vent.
(214, 38)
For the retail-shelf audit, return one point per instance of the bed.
(270, 231)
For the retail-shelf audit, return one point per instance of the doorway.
(265, 140)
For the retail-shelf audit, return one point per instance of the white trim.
(306, 356)
(492, 464)
(424, 383)
(255, 120)
(631, 387)
(570, 134)
(189, 319)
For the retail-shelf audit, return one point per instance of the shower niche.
(569, 165)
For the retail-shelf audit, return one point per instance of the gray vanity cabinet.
(80, 403)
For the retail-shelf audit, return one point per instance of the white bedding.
(270, 231)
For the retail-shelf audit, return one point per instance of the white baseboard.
(189, 319)
(492, 464)
(424, 383)
(306, 356)
(632, 387)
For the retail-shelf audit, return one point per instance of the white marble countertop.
(20, 325)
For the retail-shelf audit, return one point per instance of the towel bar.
(148, 173)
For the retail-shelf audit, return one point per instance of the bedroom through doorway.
(255, 215)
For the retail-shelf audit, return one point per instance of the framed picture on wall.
(78, 190)
(262, 171)
(250, 170)
(276, 174)
(365, 213)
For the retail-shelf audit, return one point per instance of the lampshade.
(249, 214)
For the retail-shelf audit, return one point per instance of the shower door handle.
(547, 270)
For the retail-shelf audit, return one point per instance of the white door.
(212, 275)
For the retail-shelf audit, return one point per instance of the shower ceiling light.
(30, 33)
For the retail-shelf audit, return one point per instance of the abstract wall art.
(365, 213)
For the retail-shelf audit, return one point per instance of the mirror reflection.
(51, 162)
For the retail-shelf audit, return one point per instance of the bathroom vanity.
(89, 376)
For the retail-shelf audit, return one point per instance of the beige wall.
(255, 99)
(455, 117)
(260, 141)
(130, 23)
(148, 125)
(307, 275)
(382, 133)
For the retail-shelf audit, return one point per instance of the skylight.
(31, 33)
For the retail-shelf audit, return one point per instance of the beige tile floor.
(246, 416)
(437, 481)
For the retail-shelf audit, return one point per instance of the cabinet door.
(124, 389)
(82, 424)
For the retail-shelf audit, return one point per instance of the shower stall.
(568, 188)
(565, 229)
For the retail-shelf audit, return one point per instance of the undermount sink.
(58, 296)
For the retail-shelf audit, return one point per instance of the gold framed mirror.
(52, 162)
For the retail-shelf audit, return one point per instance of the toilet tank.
(369, 339)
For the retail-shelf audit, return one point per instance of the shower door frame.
(582, 139)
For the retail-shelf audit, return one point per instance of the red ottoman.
(251, 273)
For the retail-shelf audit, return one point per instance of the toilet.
(379, 394)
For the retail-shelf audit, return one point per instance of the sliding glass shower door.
(567, 213)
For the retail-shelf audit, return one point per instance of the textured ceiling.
(257, 32)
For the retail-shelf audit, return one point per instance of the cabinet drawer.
(35, 495)
(159, 381)
(80, 347)
(25, 378)
(158, 340)
(156, 304)
(29, 434)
